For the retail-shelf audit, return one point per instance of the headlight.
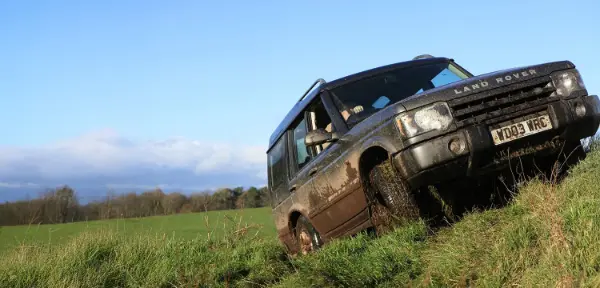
(567, 82)
(433, 117)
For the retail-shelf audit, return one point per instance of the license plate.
(521, 129)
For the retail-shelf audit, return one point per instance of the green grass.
(547, 237)
(182, 226)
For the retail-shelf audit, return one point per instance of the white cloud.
(18, 185)
(106, 155)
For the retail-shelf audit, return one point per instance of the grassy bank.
(547, 237)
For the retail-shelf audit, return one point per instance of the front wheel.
(393, 192)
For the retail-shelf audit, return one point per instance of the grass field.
(181, 226)
(547, 237)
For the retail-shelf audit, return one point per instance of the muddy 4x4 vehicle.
(381, 135)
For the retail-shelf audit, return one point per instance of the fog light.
(579, 109)
(456, 145)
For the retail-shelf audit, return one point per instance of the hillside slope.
(547, 237)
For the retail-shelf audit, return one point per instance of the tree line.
(61, 205)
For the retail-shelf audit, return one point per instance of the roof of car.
(301, 104)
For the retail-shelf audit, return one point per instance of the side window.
(277, 169)
(314, 117)
(319, 119)
(302, 152)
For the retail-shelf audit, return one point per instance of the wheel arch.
(293, 219)
(379, 147)
(370, 157)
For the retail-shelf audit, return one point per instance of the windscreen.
(358, 100)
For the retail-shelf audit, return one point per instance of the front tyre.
(393, 192)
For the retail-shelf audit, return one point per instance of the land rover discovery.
(382, 135)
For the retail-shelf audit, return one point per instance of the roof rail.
(423, 56)
(318, 81)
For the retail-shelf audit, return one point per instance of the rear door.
(296, 194)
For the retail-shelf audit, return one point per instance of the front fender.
(384, 142)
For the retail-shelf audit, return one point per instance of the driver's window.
(319, 119)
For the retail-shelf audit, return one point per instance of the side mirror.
(319, 136)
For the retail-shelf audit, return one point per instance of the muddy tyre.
(393, 192)
(307, 237)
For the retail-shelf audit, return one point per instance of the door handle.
(313, 171)
(293, 188)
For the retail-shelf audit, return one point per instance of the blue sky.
(100, 89)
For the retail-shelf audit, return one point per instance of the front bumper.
(433, 161)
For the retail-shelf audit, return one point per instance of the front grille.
(482, 107)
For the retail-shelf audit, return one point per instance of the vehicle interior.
(377, 92)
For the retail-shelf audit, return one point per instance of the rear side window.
(277, 165)
(303, 155)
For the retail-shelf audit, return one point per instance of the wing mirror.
(320, 136)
